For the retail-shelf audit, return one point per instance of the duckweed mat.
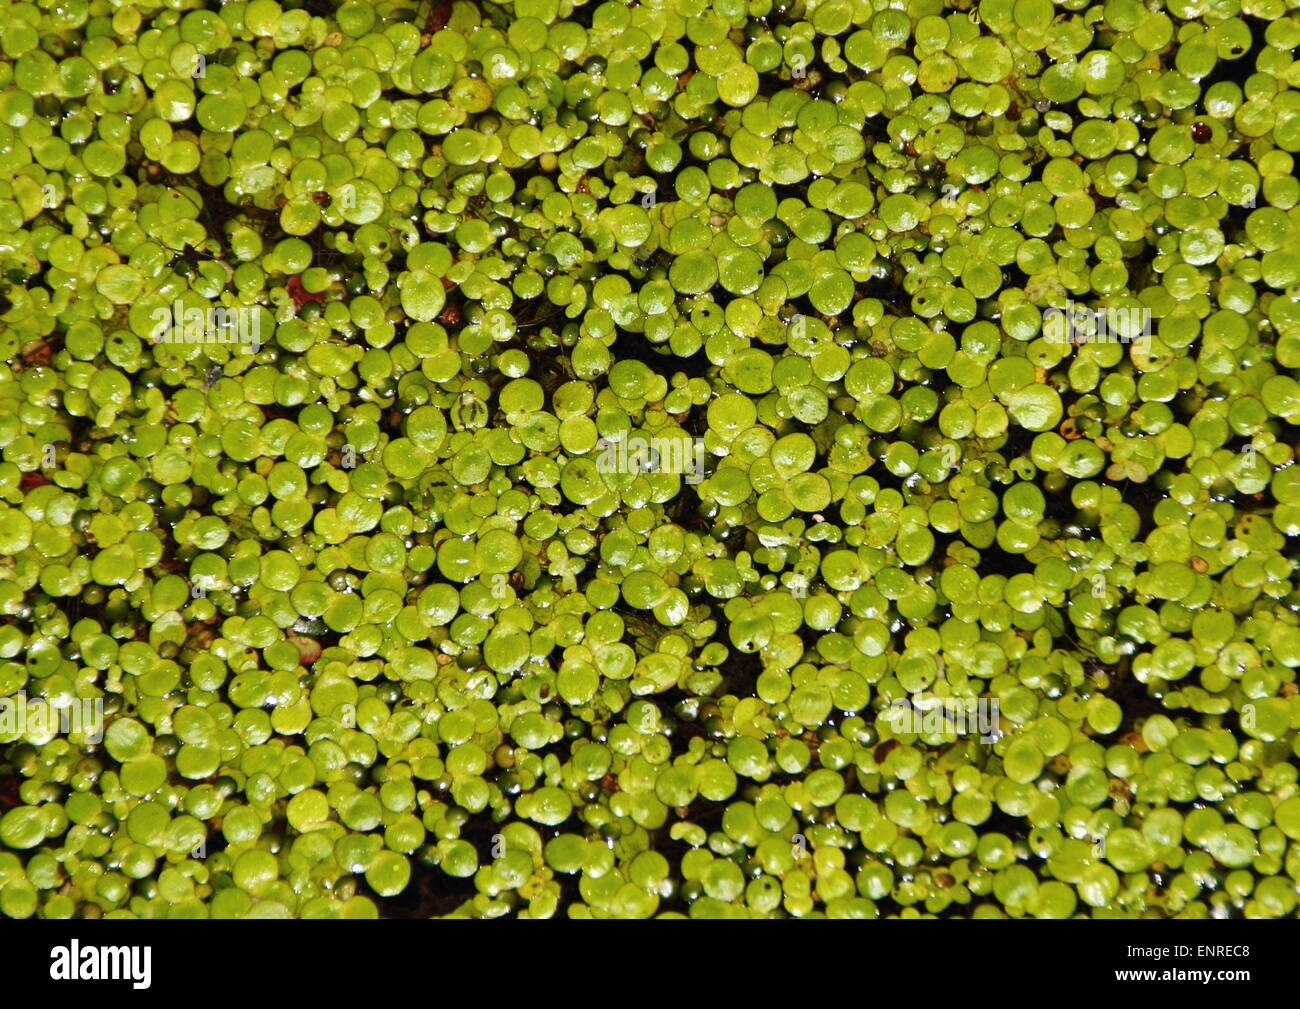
(710, 458)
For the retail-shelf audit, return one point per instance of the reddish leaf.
(300, 294)
(309, 649)
(438, 17)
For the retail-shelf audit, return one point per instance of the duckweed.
(710, 459)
